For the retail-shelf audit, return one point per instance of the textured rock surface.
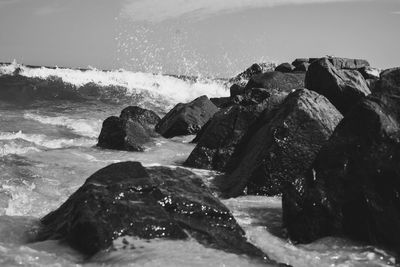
(281, 145)
(277, 80)
(130, 131)
(185, 119)
(126, 199)
(353, 187)
(344, 88)
(285, 67)
(219, 138)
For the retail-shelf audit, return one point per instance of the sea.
(48, 149)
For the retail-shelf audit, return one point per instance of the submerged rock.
(277, 80)
(344, 88)
(219, 137)
(126, 199)
(185, 119)
(281, 145)
(130, 131)
(353, 187)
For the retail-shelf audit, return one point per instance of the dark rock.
(220, 136)
(344, 88)
(130, 131)
(347, 63)
(126, 199)
(369, 73)
(302, 67)
(277, 80)
(185, 119)
(236, 89)
(353, 188)
(285, 67)
(221, 102)
(300, 61)
(281, 145)
(389, 82)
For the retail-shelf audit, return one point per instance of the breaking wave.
(173, 88)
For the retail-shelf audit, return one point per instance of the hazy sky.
(210, 37)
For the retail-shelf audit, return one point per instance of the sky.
(196, 37)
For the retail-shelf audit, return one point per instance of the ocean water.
(47, 150)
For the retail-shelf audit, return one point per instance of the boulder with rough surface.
(281, 145)
(353, 187)
(185, 119)
(277, 80)
(130, 131)
(285, 67)
(344, 88)
(126, 199)
(218, 139)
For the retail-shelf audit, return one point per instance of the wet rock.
(344, 88)
(221, 102)
(352, 189)
(281, 145)
(126, 199)
(185, 119)
(277, 80)
(300, 61)
(285, 67)
(302, 67)
(220, 136)
(236, 89)
(130, 131)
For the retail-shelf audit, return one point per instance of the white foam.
(176, 90)
(39, 140)
(89, 128)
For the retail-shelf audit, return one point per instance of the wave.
(173, 88)
(89, 128)
(21, 143)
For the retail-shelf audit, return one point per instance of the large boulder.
(281, 145)
(185, 119)
(219, 137)
(285, 67)
(353, 187)
(256, 68)
(344, 88)
(277, 80)
(130, 131)
(348, 63)
(126, 199)
(389, 82)
(299, 61)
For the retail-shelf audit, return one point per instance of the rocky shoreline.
(322, 133)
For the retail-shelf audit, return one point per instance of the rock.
(347, 63)
(285, 67)
(302, 67)
(389, 82)
(369, 73)
(185, 119)
(221, 102)
(281, 145)
(344, 88)
(236, 89)
(219, 137)
(256, 68)
(299, 61)
(277, 80)
(352, 189)
(130, 131)
(126, 199)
